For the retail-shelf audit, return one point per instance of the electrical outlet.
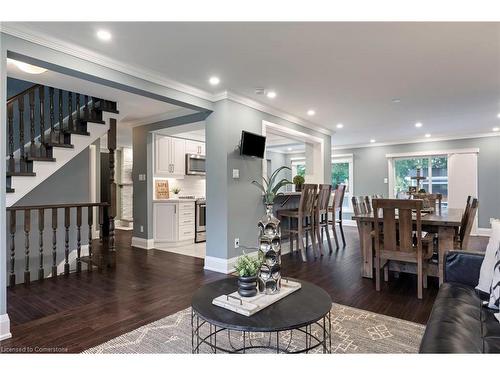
(386, 180)
(236, 243)
(142, 229)
(492, 219)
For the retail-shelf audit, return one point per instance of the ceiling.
(446, 75)
(134, 109)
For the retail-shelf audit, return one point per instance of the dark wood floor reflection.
(85, 310)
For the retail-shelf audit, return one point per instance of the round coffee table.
(298, 323)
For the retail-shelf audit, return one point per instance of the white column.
(4, 318)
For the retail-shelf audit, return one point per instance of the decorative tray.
(250, 305)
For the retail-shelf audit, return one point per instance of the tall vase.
(270, 252)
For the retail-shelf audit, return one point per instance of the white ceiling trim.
(149, 75)
(406, 141)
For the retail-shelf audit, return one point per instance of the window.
(434, 168)
(342, 173)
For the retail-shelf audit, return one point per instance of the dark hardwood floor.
(75, 313)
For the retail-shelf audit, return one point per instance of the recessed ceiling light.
(418, 125)
(427, 135)
(311, 112)
(214, 81)
(340, 126)
(496, 129)
(372, 141)
(289, 149)
(27, 68)
(104, 35)
(498, 115)
(271, 94)
(396, 100)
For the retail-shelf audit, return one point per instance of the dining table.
(445, 223)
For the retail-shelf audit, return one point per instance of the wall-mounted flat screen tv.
(252, 144)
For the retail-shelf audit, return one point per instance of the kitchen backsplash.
(189, 185)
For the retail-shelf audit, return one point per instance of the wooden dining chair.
(395, 239)
(462, 241)
(321, 216)
(336, 211)
(304, 218)
(360, 208)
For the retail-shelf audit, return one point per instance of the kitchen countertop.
(174, 200)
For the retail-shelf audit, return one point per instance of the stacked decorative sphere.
(270, 254)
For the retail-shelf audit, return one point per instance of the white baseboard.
(143, 243)
(5, 327)
(221, 265)
(482, 232)
(349, 223)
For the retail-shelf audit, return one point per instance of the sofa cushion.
(455, 322)
(490, 331)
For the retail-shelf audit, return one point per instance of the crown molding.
(150, 75)
(406, 141)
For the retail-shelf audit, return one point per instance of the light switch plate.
(236, 173)
(386, 180)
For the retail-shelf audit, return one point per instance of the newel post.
(112, 189)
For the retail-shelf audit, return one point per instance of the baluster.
(32, 122)
(77, 109)
(41, 94)
(12, 226)
(54, 242)
(61, 117)
(86, 109)
(27, 228)
(22, 163)
(51, 105)
(78, 239)
(10, 116)
(66, 240)
(41, 226)
(70, 111)
(101, 223)
(90, 220)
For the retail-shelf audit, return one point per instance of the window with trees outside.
(435, 168)
(342, 173)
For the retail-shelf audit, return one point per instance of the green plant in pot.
(247, 268)
(298, 182)
(176, 190)
(270, 188)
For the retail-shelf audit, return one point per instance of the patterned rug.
(353, 331)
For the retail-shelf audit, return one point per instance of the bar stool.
(336, 211)
(304, 216)
(321, 218)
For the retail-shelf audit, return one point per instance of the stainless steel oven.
(200, 221)
(195, 164)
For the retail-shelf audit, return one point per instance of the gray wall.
(142, 145)
(370, 169)
(70, 184)
(277, 160)
(234, 206)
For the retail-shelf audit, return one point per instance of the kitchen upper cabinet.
(170, 156)
(195, 147)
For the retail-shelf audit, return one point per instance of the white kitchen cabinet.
(195, 147)
(174, 222)
(169, 156)
(166, 222)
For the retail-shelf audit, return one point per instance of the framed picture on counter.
(161, 189)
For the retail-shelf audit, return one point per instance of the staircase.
(46, 128)
(80, 121)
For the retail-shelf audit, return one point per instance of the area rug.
(353, 331)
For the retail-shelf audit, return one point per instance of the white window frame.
(294, 162)
(347, 158)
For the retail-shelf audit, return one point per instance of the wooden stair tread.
(95, 121)
(62, 145)
(10, 190)
(21, 174)
(39, 158)
(76, 131)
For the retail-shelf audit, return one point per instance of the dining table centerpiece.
(270, 234)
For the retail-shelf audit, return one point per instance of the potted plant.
(247, 269)
(176, 191)
(269, 188)
(298, 181)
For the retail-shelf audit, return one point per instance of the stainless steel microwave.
(195, 164)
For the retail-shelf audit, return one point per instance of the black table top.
(307, 305)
